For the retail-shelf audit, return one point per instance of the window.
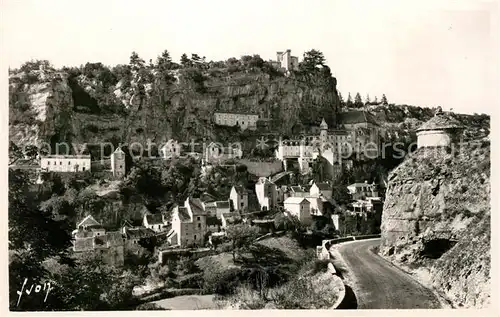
(83, 169)
(60, 163)
(195, 237)
(121, 166)
(69, 162)
(48, 162)
(197, 218)
(199, 225)
(242, 204)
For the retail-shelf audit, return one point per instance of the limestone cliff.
(437, 217)
(94, 104)
(40, 107)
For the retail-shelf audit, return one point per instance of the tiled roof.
(297, 189)
(183, 214)
(240, 190)
(139, 233)
(222, 204)
(294, 200)
(88, 221)
(440, 121)
(154, 219)
(351, 117)
(323, 186)
(196, 206)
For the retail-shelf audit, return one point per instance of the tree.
(312, 60)
(367, 100)
(34, 236)
(341, 99)
(357, 100)
(136, 62)
(349, 102)
(375, 100)
(384, 100)
(185, 61)
(241, 236)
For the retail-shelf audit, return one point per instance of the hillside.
(137, 102)
(436, 221)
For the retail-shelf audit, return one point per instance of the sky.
(424, 53)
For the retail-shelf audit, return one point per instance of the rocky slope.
(436, 218)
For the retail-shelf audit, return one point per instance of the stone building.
(65, 163)
(286, 61)
(243, 120)
(118, 163)
(440, 131)
(267, 194)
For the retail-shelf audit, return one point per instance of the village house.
(135, 235)
(298, 191)
(189, 224)
(315, 205)
(318, 189)
(171, 149)
(239, 198)
(359, 191)
(267, 194)
(155, 222)
(230, 218)
(118, 163)
(440, 131)
(90, 235)
(299, 207)
(217, 154)
(65, 163)
(222, 207)
(243, 120)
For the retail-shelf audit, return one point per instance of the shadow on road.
(350, 301)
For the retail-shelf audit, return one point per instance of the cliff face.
(88, 109)
(436, 217)
(40, 107)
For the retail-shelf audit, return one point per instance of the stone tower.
(118, 163)
(323, 134)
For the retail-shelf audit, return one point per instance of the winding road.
(380, 284)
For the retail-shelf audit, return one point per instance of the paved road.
(379, 284)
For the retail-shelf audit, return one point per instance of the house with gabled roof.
(239, 198)
(189, 223)
(323, 189)
(90, 235)
(155, 222)
(299, 207)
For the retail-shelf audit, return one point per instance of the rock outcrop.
(436, 217)
(40, 107)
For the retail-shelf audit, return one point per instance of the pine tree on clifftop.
(349, 100)
(358, 102)
(384, 100)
